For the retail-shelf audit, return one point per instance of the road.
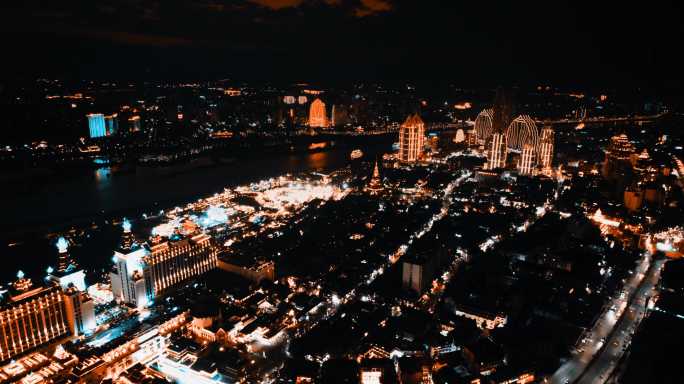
(591, 342)
(603, 365)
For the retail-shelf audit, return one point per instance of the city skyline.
(341, 192)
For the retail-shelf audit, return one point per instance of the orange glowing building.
(317, 115)
(411, 139)
(375, 186)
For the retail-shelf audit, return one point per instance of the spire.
(64, 261)
(375, 184)
(127, 239)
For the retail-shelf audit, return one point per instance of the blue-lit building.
(111, 124)
(96, 125)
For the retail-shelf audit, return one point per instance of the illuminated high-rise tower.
(497, 146)
(527, 160)
(496, 151)
(411, 139)
(96, 125)
(64, 258)
(522, 131)
(483, 125)
(126, 277)
(80, 308)
(618, 154)
(545, 150)
(317, 115)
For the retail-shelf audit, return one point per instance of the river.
(96, 196)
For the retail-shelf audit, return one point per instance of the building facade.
(496, 151)
(111, 124)
(172, 263)
(317, 114)
(32, 318)
(81, 311)
(527, 160)
(522, 131)
(483, 125)
(546, 144)
(96, 125)
(411, 139)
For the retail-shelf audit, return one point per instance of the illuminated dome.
(317, 116)
(483, 124)
(522, 131)
(460, 136)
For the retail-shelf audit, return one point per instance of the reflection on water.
(317, 160)
(115, 192)
(102, 177)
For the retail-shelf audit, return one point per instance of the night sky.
(471, 42)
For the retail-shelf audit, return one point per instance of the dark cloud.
(360, 8)
(487, 42)
(369, 7)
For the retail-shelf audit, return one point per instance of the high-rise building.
(545, 151)
(126, 277)
(64, 258)
(502, 112)
(171, 264)
(483, 125)
(411, 139)
(496, 151)
(127, 281)
(527, 160)
(96, 125)
(618, 154)
(317, 114)
(67, 273)
(522, 130)
(80, 310)
(31, 317)
(111, 124)
(79, 306)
